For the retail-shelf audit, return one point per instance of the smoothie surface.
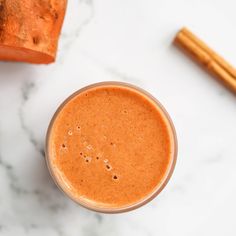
(110, 146)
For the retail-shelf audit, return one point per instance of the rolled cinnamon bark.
(206, 57)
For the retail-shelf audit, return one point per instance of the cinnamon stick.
(206, 57)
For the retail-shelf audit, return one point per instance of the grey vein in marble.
(113, 71)
(121, 75)
(26, 90)
(11, 177)
(215, 159)
(98, 217)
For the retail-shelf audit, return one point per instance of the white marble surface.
(125, 40)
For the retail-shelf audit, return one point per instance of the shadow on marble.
(14, 70)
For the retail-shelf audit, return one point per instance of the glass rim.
(157, 189)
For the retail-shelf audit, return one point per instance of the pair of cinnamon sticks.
(206, 57)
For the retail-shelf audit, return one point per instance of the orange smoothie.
(111, 147)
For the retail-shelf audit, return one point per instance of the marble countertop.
(130, 41)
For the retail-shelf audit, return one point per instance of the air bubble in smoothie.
(115, 177)
(88, 159)
(108, 167)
